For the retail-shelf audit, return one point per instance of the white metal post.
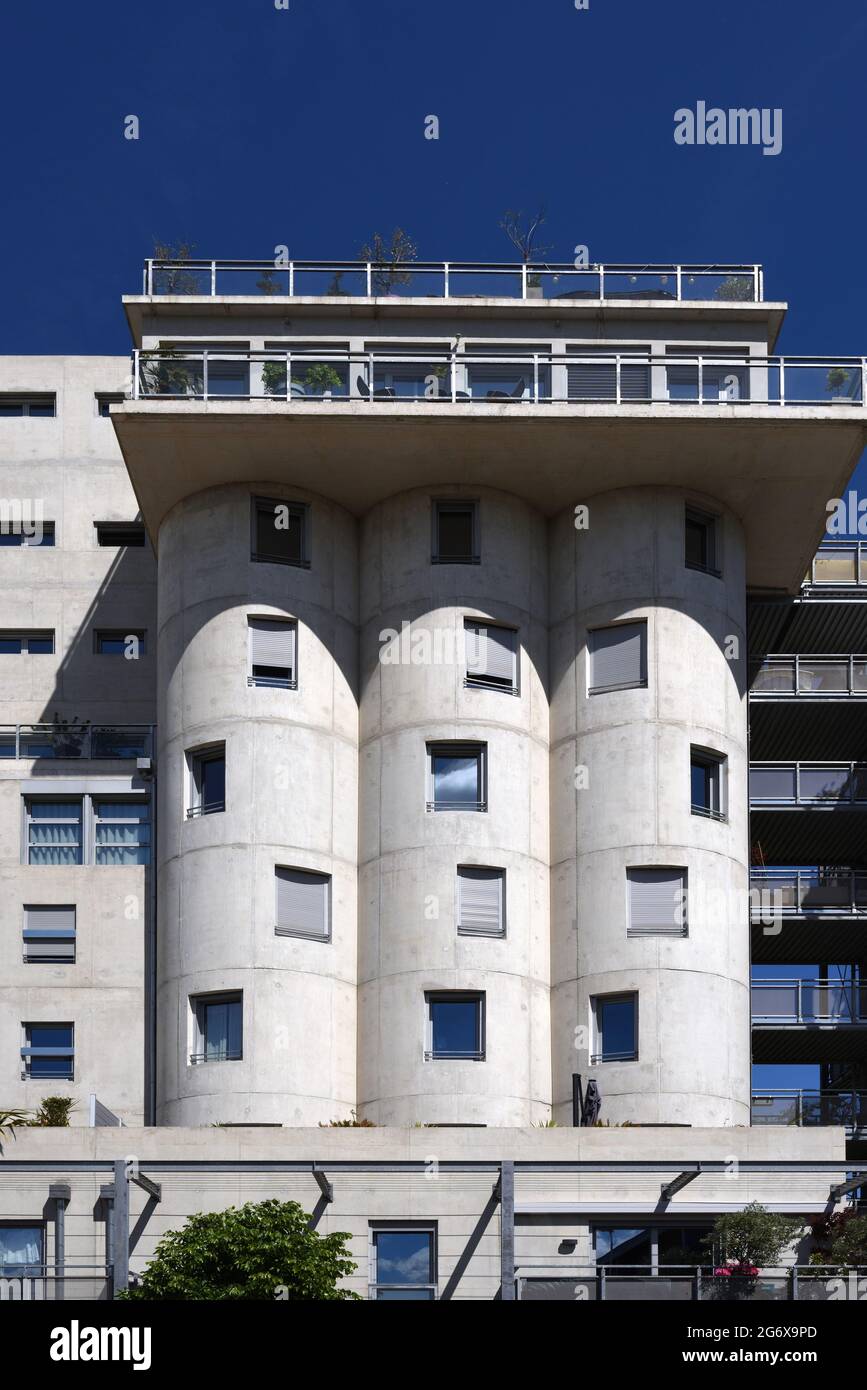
(213, 279)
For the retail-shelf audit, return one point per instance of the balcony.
(810, 1108)
(809, 892)
(808, 812)
(495, 377)
(47, 1284)
(838, 565)
(811, 1020)
(90, 742)
(679, 1283)
(265, 279)
(824, 677)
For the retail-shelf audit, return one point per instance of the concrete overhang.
(775, 468)
(144, 310)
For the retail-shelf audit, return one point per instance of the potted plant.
(837, 379)
(321, 379)
(67, 736)
(741, 1243)
(524, 238)
(389, 262)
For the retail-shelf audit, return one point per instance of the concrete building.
(414, 781)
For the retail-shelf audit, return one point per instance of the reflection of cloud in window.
(456, 779)
(410, 1269)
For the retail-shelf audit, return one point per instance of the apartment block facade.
(414, 696)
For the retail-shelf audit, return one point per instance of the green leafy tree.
(262, 1251)
(752, 1237)
(841, 1240)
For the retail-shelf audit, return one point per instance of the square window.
(218, 1028)
(49, 935)
(122, 832)
(280, 532)
(491, 656)
(207, 767)
(457, 777)
(129, 643)
(455, 1026)
(403, 1263)
(48, 1052)
(617, 658)
(272, 648)
(615, 1028)
(481, 901)
(455, 533)
(54, 832)
(701, 541)
(657, 901)
(22, 1249)
(303, 904)
(707, 773)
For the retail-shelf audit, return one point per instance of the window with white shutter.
(303, 904)
(618, 658)
(272, 649)
(657, 901)
(492, 656)
(593, 375)
(49, 935)
(481, 901)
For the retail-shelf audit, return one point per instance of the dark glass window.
(456, 540)
(405, 1263)
(116, 534)
(219, 1029)
(457, 778)
(456, 1026)
(616, 1028)
(701, 541)
(707, 784)
(209, 782)
(48, 1051)
(280, 532)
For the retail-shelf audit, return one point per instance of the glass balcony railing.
(706, 1283)
(802, 892)
(494, 375)
(452, 280)
(813, 676)
(97, 741)
(796, 1001)
(838, 565)
(807, 784)
(809, 1108)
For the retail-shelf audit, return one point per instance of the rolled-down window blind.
(49, 933)
(657, 902)
(481, 901)
(618, 658)
(303, 904)
(272, 643)
(491, 653)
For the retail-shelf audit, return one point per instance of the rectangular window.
(26, 643)
(130, 642)
(41, 405)
(303, 904)
(272, 648)
(701, 549)
(593, 375)
(618, 658)
(54, 832)
(403, 1263)
(657, 901)
(116, 535)
(457, 777)
(615, 1028)
(455, 533)
(122, 832)
(492, 656)
(707, 773)
(30, 534)
(49, 935)
(481, 901)
(48, 1053)
(207, 780)
(280, 532)
(455, 1026)
(218, 1024)
(105, 400)
(22, 1249)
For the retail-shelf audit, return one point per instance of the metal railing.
(516, 376)
(672, 1283)
(839, 565)
(96, 742)
(207, 808)
(795, 1001)
(808, 784)
(800, 1107)
(454, 279)
(48, 1284)
(812, 676)
(802, 892)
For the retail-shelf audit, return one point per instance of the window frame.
(377, 1228)
(642, 682)
(114, 799)
(107, 398)
(49, 934)
(302, 510)
(120, 528)
(441, 504)
(485, 682)
(199, 1004)
(676, 932)
(456, 996)
(27, 399)
(271, 682)
(712, 524)
(25, 1270)
(47, 541)
(61, 1052)
(196, 759)
(459, 748)
(122, 635)
(25, 637)
(294, 932)
(597, 1051)
(710, 759)
(80, 844)
(493, 870)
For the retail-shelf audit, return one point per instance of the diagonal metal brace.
(688, 1175)
(325, 1187)
(153, 1189)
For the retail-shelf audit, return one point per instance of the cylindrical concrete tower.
(415, 699)
(290, 803)
(655, 1008)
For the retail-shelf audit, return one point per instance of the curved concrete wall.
(408, 940)
(291, 799)
(634, 810)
